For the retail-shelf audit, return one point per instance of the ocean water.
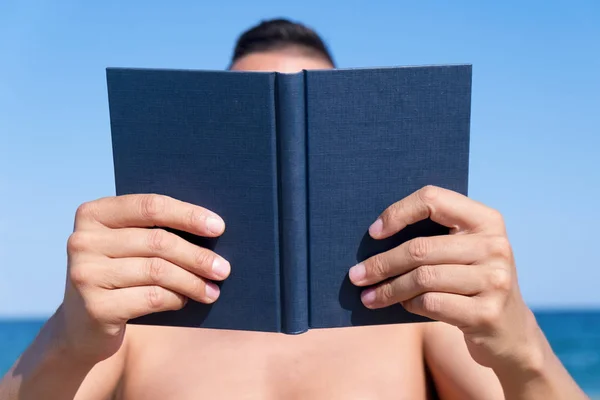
(574, 336)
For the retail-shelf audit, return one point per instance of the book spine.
(293, 246)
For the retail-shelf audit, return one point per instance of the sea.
(574, 336)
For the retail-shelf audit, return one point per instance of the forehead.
(279, 61)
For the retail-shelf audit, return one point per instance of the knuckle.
(425, 277)
(156, 270)
(202, 258)
(418, 249)
(500, 279)
(386, 293)
(392, 211)
(155, 298)
(431, 303)
(377, 266)
(429, 194)
(152, 205)
(94, 310)
(490, 315)
(496, 216)
(193, 218)
(86, 210)
(157, 240)
(78, 275)
(78, 241)
(500, 246)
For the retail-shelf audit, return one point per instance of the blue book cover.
(298, 165)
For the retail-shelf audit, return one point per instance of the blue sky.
(535, 121)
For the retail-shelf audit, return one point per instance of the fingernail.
(215, 225)
(212, 291)
(221, 267)
(376, 228)
(357, 273)
(368, 296)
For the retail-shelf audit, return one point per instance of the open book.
(298, 165)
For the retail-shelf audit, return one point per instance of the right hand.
(121, 267)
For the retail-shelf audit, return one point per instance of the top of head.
(282, 46)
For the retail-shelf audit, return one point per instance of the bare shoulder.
(456, 375)
(103, 381)
(106, 379)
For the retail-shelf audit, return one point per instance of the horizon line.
(535, 309)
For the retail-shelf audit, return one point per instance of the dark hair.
(278, 34)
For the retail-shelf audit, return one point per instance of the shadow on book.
(349, 294)
(193, 314)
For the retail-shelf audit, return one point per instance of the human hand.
(120, 267)
(467, 279)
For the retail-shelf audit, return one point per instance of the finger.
(139, 242)
(458, 279)
(129, 272)
(124, 304)
(446, 207)
(450, 308)
(150, 210)
(447, 249)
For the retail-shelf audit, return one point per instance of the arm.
(540, 375)
(48, 370)
(458, 376)
(119, 267)
(466, 279)
(455, 375)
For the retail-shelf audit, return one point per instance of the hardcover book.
(298, 165)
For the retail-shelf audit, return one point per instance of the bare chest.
(357, 363)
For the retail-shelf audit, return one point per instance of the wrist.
(529, 356)
(534, 371)
(63, 346)
(52, 346)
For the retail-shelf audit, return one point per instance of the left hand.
(466, 279)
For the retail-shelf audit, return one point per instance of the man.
(487, 345)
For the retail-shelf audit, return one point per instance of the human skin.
(486, 345)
